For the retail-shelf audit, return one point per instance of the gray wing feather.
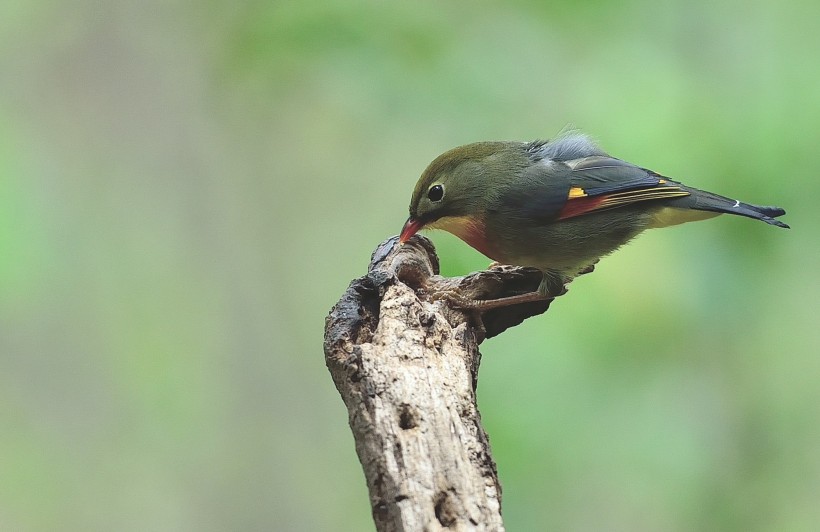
(603, 175)
(566, 147)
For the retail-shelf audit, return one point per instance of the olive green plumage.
(558, 206)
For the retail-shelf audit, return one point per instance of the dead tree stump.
(406, 366)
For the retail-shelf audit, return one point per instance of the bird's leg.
(551, 286)
(459, 301)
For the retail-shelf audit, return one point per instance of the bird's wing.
(601, 182)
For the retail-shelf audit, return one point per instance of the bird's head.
(456, 190)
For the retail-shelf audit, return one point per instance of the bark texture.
(406, 365)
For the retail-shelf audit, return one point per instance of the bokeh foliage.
(187, 187)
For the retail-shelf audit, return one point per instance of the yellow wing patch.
(582, 204)
(632, 196)
(577, 192)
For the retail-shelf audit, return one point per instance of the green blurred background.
(186, 188)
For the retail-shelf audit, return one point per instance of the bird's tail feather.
(707, 201)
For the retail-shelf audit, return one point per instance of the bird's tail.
(706, 201)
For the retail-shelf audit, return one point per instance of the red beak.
(411, 227)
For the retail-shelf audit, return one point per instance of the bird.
(557, 205)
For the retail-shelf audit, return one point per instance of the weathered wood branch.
(406, 366)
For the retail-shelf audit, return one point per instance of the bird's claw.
(455, 297)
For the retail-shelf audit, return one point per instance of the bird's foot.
(458, 300)
(454, 297)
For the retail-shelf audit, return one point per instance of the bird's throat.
(468, 228)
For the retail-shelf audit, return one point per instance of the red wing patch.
(581, 204)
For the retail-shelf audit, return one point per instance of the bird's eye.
(435, 193)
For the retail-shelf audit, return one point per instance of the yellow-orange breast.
(470, 229)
